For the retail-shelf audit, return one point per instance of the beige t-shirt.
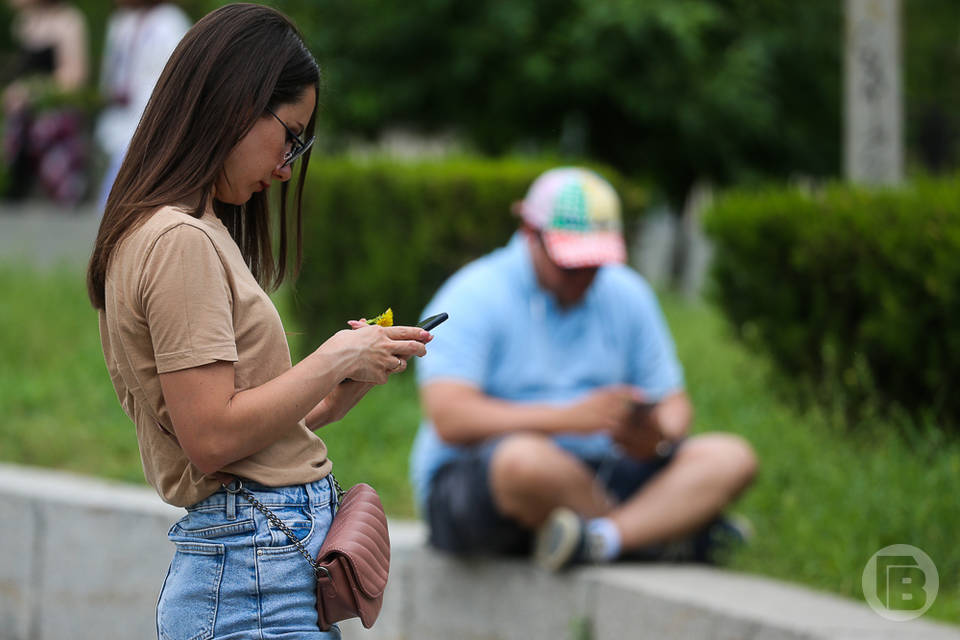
(179, 295)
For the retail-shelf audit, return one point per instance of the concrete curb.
(85, 558)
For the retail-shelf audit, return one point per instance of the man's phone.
(432, 321)
(644, 407)
(641, 411)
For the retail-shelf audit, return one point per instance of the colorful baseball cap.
(578, 215)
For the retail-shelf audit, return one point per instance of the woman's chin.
(234, 200)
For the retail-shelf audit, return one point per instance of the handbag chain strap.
(319, 570)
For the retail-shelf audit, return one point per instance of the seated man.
(555, 416)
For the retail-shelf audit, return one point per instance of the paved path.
(45, 236)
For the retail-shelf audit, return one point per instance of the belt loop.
(334, 496)
(232, 503)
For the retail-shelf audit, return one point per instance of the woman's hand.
(337, 403)
(371, 353)
(348, 393)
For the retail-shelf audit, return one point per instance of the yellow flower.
(385, 319)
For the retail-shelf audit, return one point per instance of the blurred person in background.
(141, 35)
(44, 130)
(555, 416)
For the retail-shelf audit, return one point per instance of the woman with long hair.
(194, 346)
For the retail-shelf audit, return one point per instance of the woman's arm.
(344, 396)
(216, 424)
(337, 403)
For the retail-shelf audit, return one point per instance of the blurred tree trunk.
(873, 93)
(690, 253)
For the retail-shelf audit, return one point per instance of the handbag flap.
(359, 535)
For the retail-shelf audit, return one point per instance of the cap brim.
(573, 250)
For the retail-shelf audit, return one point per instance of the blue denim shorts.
(234, 576)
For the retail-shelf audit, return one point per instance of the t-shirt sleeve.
(656, 368)
(462, 346)
(186, 299)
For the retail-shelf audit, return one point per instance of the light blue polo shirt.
(507, 337)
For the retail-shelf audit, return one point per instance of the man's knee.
(729, 455)
(519, 473)
(522, 459)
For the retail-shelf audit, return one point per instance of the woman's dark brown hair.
(232, 66)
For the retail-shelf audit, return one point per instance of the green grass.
(827, 497)
(825, 500)
(56, 401)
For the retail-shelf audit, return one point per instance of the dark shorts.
(462, 517)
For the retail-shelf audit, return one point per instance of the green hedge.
(855, 291)
(384, 233)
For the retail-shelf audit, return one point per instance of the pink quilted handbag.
(354, 560)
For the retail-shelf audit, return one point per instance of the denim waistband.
(318, 493)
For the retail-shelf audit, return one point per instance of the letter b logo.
(900, 582)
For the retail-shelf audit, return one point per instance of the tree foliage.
(671, 89)
(932, 82)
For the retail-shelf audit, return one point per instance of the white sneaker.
(560, 541)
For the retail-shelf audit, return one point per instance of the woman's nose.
(283, 172)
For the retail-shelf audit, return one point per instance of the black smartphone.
(432, 321)
(642, 409)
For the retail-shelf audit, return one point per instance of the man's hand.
(667, 421)
(640, 434)
(606, 409)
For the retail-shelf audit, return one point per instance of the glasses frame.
(298, 146)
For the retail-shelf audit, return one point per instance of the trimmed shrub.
(853, 290)
(384, 233)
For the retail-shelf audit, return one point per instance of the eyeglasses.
(297, 146)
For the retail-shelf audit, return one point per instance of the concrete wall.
(84, 559)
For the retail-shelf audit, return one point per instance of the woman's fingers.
(408, 333)
(408, 348)
(385, 349)
(406, 342)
